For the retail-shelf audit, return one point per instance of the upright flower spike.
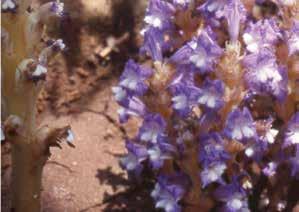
(133, 78)
(211, 94)
(262, 34)
(211, 149)
(292, 131)
(200, 54)
(183, 99)
(293, 38)
(24, 65)
(212, 173)
(264, 76)
(136, 155)
(235, 15)
(239, 125)
(195, 70)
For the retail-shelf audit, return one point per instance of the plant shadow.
(134, 196)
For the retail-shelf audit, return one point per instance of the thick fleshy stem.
(23, 70)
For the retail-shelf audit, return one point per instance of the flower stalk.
(24, 62)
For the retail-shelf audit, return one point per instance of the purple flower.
(134, 107)
(57, 8)
(153, 44)
(152, 128)
(236, 202)
(269, 136)
(133, 78)
(159, 19)
(136, 155)
(182, 3)
(264, 76)
(270, 169)
(159, 152)
(208, 120)
(264, 33)
(183, 76)
(201, 53)
(120, 95)
(211, 94)
(233, 196)
(235, 14)
(159, 14)
(8, 5)
(292, 132)
(213, 10)
(256, 149)
(183, 98)
(212, 149)
(212, 173)
(239, 125)
(168, 192)
(293, 39)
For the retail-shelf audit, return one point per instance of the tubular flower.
(212, 149)
(152, 128)
(235, 14)
(167, 193)
(183, 99)
(239, 125)
(264, 76)
(200, 54)
(212, 173)
(136, 155)
(211, 94)
(262, 34)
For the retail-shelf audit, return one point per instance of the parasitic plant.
(26, 51)
(218, 97)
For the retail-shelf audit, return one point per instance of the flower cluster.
(219, 98)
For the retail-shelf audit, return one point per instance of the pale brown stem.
(26, 178)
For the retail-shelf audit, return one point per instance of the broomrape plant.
(26, 51)
(219, 100)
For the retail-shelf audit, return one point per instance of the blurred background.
(100, 36)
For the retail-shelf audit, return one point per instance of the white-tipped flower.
(8, 5)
